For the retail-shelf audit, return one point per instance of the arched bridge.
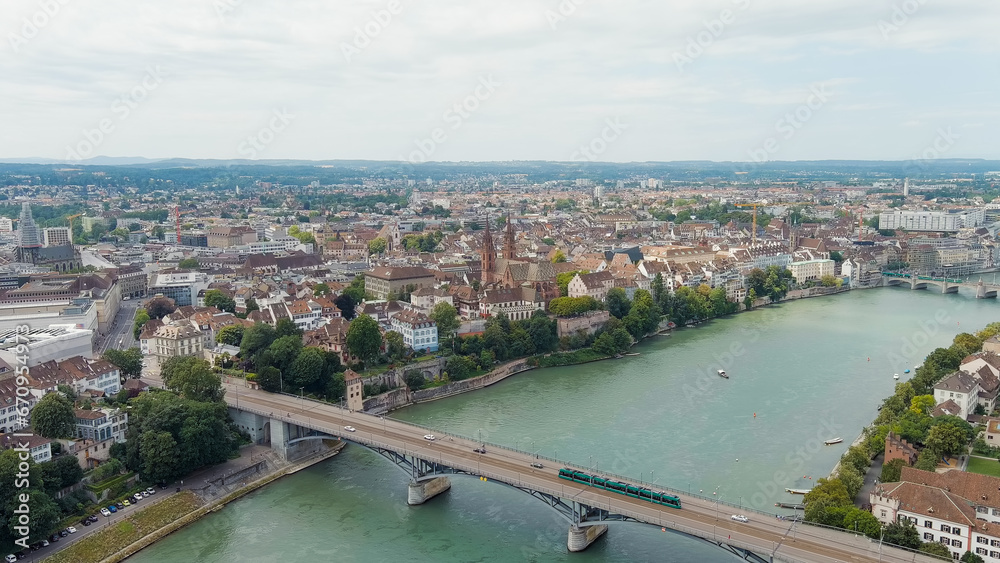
(945, 285)
(289, 421)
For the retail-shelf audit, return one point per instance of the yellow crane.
(70, 219)
(762, 204)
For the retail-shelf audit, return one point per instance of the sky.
(443, 80)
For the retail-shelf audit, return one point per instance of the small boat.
(632, 354)
(722, 373)
(791, 505)
(895, 376)
(798, 491)
(833, 441)
(906, 371)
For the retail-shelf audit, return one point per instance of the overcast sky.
(532, 80)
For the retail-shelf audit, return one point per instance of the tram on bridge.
(626, 489)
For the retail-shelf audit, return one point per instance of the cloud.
(231, 63)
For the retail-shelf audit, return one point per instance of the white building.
(960, 388)
(811, 270)
(38, 447)
(595, 285)
(171, 341)
(55, 236)
(419, 332)
(57, 342)
(937, 221)
(99, 425)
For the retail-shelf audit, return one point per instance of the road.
(120, 337)
(763, 534)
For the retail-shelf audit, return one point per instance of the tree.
(193, 378)
(321, 289)
(459, 368)
(231, 335)
(377, 246)
(571, 306)
(927, 460)
(364, 339)
(967, 343)
(141, 318)
(605, 345)
(188, 264)
(307, 368)
(215, 298)
(945, 440)
(968, 557)
(160, 455)
(445, 315)
(269, 379)
(287, 327)
(904, 535)
(159, 307)
(346, 304)
(935, 548)
(891, 471)
(53, 416)
(284, 351)
(922, 404)
(862, 521)
(394, 345)
(128, 362)
(559, 257)
(617, 302)
(563, 279)
(414, 379)
(256, 338)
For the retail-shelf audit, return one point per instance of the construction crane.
(762, 204)
(70, 219)
(177, 217)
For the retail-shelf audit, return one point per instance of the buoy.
(755, 415)
(869, 358)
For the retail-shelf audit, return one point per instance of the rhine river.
(810, 370)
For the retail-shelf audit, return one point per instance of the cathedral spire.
(509, 248)
(489, 255)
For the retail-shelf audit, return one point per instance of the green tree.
(414, 379)
(269, 379)
(617, 302)
(459, 368)
(559, 257)
(922, 404)
(215, 298)
(935, 548)
(283, 352)
(160, 456)
(141, 318)
(395, 347)
(968, 557)
(904, 535)
(287, 327)
(307, 368)
(605, 345)
(193, 378)
(891, 471)
(967, 344)
(377, 246)
(945, 440)
(364, 339)
(231, 335)
(159, 307)
(571, 306)
(927, 460)
(53, 416)
(863, 522)
(188, 264)
(321, 289)
(256, 338)
(346, 304)
(445, 315)
(128, 362)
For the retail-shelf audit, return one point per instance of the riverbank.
(148, 526)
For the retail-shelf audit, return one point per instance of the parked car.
(11, 558)
(137, 496)
(105, 512)
(740, 518)
(151, 491)
(45, 543)
(54, 538)
(85, 522)
(71, 530)
(112, 508)
(145, 493)
(119, 505)
(126, 502)
(63, 533)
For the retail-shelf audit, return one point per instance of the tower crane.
(764, 204)
(70, 219)
(177, 217)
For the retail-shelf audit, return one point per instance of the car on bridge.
(740, 518)
(350, 428)
(537, 465)
(429, 437)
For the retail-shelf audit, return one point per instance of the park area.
(984, 466)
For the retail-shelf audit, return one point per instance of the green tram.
(621, 488)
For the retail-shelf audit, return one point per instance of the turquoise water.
(810, 370)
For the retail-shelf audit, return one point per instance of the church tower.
(509, 248)
(489, 255)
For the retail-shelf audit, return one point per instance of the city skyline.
(559, 81)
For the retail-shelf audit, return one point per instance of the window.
(945, 528)
(994, 543)
(956, 531)
(928, 536)
(956, 543)
(995, 554)
(945, 541)
(928, 524)
(981, 551)
(883, 514)
(981, 539)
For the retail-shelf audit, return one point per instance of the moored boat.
(798, 491)
(722, 373)
(833, 441)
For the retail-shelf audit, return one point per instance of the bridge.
(288, 422)
(946, 285)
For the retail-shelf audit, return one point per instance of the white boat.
(722, 373)
(895, 376)
(798, 491)
(833, 441)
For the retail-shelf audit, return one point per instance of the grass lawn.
(984, 466)
(112, 539)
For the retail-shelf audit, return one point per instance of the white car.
(11, 558)
(429, 437)
(105, 512)
(740, 518)
(71, 530)
(350, 428)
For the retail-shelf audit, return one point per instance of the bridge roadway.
(764, 535)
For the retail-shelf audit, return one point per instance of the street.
(120, 336)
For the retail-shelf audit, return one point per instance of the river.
(800, 372)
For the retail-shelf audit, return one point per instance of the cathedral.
(509, 271)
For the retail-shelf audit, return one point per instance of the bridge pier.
(580, 537)
(420, 492)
